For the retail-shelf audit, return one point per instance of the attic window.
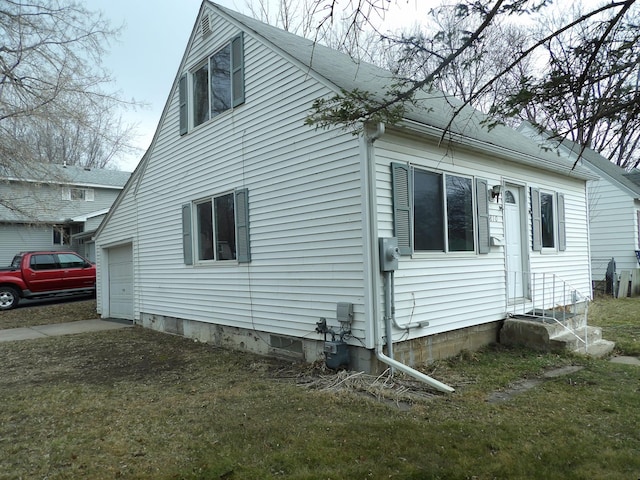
(205, 26)
(215, 86)
(78, 194)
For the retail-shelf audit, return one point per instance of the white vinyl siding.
(19, 237)
(613, 227)
(455, 290)
(304, 211)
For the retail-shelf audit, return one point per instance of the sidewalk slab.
(13, 334)
(626, 360)
(57, 329)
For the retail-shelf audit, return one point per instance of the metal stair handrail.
(544, 296)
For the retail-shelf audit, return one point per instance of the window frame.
(538, 219)
(548, 227)
(236, 86)
(404, 218)
(78, 194)
(238, 232)
(444, 208)
(63, 234)
(214, 225)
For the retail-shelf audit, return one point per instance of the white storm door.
(514, 243)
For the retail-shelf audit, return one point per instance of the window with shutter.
(536, 220)
(402, 207)
(220, 229)
(237, 70)
(187, 242)
(434, 211)
(562, 228)
(242, 225)
(184, 105)
(217, 84)
(482, 204)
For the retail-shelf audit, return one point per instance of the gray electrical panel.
(389, 254)
(344, 312)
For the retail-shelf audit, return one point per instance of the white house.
(613, 202)
(53, 206)
(244, 227)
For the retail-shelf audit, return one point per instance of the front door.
(514, 242)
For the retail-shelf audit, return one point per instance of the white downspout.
(374, 277)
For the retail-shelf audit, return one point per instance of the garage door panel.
(121, 282)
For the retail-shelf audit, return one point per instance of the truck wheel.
(9, 298)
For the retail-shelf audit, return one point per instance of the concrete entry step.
(551, 336)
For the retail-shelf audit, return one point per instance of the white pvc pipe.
(370, 185)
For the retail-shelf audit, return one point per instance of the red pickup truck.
(43, 274)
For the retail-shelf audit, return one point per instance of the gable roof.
(628, 180)
(435, 111)
(339, 71)
(68, 175)
(602, 165)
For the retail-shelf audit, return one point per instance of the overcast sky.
(145, 59)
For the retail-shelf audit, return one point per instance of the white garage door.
(121, 282)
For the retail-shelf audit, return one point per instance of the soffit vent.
(205, 26)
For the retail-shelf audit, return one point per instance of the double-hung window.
(212, 86)
(438, 212)
(216, 229)
(443, 212)
(547, 220)
(217, 85)
(215, 222)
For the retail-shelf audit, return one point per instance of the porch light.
(495, 192)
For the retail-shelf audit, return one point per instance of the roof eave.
(496, 150)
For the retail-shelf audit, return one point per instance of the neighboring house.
(244, 227)
(54, 206)
(614, 206)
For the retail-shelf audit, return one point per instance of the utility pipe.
(374, 258)
(387, 314)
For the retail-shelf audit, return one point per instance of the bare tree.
(416, 54)
(54, 105)
(590, 94)
(591, 64)
(293, 16)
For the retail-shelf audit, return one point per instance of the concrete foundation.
(411, 352)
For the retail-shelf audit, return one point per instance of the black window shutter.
(242, 226)
(187, 244)
(184, 117)
(482, 199)
(562, 225)
(237, 70)
(401, 183)
(536, 220)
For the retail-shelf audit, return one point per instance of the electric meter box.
(389, 254)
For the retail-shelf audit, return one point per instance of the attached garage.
(120, 266)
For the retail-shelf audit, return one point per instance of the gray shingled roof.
(68, 175)
(436, 109)
(630, 180)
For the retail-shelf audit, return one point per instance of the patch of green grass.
(619, 319)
